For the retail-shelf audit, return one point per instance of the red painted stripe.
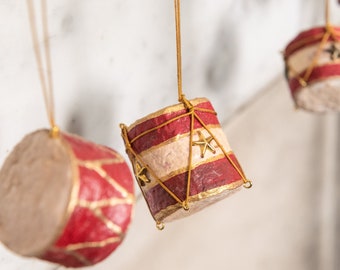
(319, 73)
(155, 121)
(305, 39)
(86, 150)
(205, 177)
(177, 127)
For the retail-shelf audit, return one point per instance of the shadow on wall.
(92, 115)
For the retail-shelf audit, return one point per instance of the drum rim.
(166, 110)
(162, 215)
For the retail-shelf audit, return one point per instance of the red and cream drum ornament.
(312, 62)
(182, 160)
(64, 199)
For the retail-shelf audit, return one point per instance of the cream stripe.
(176, 138)
(174, 156)
(302, 59)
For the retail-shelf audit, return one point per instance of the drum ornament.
(312, 68)
(180, 155)
(62, 199)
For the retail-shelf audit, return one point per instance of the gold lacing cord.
(45, 77)
(329, 33)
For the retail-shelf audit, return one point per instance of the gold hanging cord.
(330, 32)
(45, 75)
(327, 17)
(179, 49)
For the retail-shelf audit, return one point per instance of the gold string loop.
(45, 74)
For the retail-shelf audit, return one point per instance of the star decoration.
(140, 172)
(334, 52)
(204, 144)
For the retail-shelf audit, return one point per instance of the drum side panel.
(164, 158)
(103, 208)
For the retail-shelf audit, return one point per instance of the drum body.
(313, 69)
(159, 147)
(64, 199)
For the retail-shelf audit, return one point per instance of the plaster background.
(115, 61)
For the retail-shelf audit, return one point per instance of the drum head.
(36, 183)
(321, 96)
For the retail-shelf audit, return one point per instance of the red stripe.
(177, 127)
(203, 178)
(318, 73)
(308, 35)
(86, 150)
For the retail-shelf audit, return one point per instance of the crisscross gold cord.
(46, 80)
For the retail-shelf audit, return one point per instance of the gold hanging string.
(179, 50)
(45, 77)
(327, 17)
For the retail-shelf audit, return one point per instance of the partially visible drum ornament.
(312, 62)
(182, 160)
(64, 199)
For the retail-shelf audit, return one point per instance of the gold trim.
(103, 203)
(166, 110)
(108, 223)
(104, 161)
(99, 244)
(164, 213)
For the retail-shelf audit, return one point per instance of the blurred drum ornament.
(312, 63)
(182, 160)
(64, 199)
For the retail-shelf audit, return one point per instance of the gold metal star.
(204, 144)
(334, 52)
(140, 172)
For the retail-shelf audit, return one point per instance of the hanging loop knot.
(186, 103)
(54, 132)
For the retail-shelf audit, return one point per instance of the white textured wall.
(114, 61)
